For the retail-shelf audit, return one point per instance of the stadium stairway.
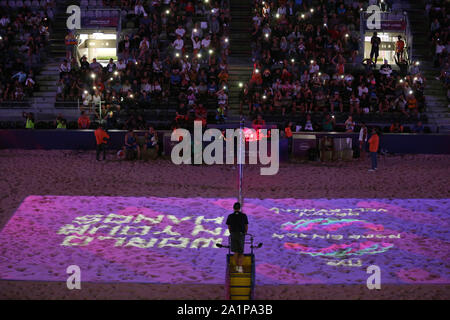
(239, 61)
(45, 98)
(240, 286)
(438, 110)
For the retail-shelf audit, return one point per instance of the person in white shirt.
(4, 21)
(196, 44)
(206, 42)
(121, 65)
(180, 31)
(139, 9)
(144, 42)
(64, 68)
(363, 137)
(314, 67)
(178, 44)
(362, 89)
(87, 98)
(145, 86)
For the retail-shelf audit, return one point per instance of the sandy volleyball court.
(69, 173)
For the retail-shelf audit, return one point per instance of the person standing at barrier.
(101, 137)
(399, 48)
(289, 135)
(363, 134)
(374, 143)
(238, 226)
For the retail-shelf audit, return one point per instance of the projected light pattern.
(328, 224)
(342, 250)
(173, 240)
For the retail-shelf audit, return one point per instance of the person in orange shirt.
(101, 136)
(83, 121)
(399, 48)
(288, 133)
(374, 144)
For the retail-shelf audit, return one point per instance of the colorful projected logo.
(173, 240)
(335, 250)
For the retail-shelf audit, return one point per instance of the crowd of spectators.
(306, 61)
(24, 31)
(169, 55)
(439, 36)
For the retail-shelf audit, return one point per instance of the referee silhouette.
(237, 225)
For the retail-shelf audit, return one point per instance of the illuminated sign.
(173, 240)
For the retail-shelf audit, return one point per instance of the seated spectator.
(151, 139)
(349, 124)
(83, 121)
(418, 127)
(396, 127)
(328, 123)
(60, 122)
(131, 148)
(29, 120)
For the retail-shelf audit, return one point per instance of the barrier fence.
(61, 139)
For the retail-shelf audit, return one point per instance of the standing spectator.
(375, 51)
(374, 143)
(70, 41)
(101, 138)
(363, 136)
